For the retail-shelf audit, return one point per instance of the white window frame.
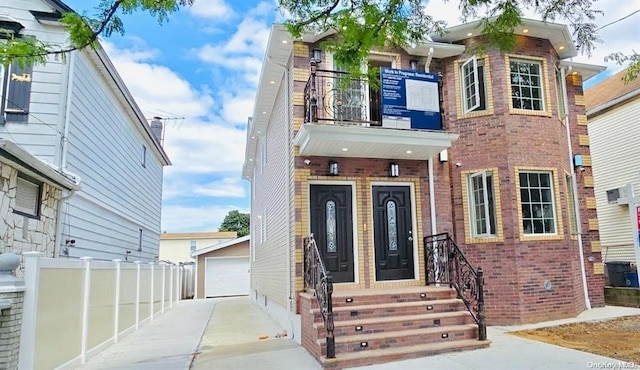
(540, 86)
(31, 191)
(529, 206)
(487, 181)
(193, 244)
(474, 90)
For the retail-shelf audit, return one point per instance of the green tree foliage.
(362, 25)
(84, 30)
(236, 221)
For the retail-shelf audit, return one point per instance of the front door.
(332, 227)
(393, 232)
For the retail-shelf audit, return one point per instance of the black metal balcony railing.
(446, 264)
(318, 279)
(336, 97)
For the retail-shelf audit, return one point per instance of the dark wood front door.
(393, 232)
(332, 226)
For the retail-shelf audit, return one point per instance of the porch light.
(333, 168)
(443, 156)
(394, 170)
(316, 55)
(414, 64)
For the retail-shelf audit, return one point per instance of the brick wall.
(10, 322)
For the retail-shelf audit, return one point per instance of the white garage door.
(226, 276)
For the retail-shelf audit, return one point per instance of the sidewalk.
(225, 334)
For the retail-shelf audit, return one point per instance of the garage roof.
(215, 247)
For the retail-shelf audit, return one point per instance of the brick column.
(12, 291)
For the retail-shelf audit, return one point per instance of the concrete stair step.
(392, 309)
(378, 356)
(396, 295)
(381, 340)
(396, 323)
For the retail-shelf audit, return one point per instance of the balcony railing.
(336, 97)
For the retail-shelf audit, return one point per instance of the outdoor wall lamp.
(394, 170)
(414, 64)
(333, 168)
(443, 156)
(316, 55)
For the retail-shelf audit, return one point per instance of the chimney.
(156, 128)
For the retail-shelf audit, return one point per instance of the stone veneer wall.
(20, 233)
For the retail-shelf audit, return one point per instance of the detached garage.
(223, 269)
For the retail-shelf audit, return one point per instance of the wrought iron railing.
(318, 280)
(446, 264)
(336, 97)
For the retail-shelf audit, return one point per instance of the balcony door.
(375, 99)
(393, 233)
(331, 214)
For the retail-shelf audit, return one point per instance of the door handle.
(410, 238)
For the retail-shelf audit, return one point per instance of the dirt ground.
(616, 338)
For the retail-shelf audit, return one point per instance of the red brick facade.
(528, 279)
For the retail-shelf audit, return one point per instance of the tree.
(362, 25)
(236, 221)
(83, 30)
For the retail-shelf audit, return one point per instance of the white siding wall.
(119, 196)
(270, 188)
(42, 132)
(615, 147)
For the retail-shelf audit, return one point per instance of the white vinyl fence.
(73, 309)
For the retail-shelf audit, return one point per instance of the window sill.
(483, 239)
(535, 237)
(526, 112)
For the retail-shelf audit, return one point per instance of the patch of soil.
(616, 338)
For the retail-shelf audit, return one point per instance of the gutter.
(574, 186)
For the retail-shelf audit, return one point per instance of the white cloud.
(229, 187)
(204, 148)
(212, 9)
(203, 218)
(157, 87)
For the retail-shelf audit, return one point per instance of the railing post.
(313, 92)
(180, 272)
(482, 326)
(27, 355)
(116, 304)
(331, 342)
(86, 295)
(138, 263)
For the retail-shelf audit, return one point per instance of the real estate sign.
(410, 99)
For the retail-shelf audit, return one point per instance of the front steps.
(382, 325)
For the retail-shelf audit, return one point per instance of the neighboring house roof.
(28, 164)
(219, 246)
(203, 235)
(115, 81)
(610, 92)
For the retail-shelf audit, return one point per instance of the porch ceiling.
(371, 142)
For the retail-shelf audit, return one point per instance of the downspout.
(574, 185)
(432, 196)
(63, 155)
(289, 254)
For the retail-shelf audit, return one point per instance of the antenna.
(157, 124)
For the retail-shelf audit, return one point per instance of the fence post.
(163, 286)
(151, 295)
(179, 287)
(26, 358)
(171, 284)
(116, 304)
(137, 293)
(85, 307)
(482, 325)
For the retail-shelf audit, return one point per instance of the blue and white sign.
(410, 99)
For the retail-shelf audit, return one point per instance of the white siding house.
(613, 112)
(78, 115)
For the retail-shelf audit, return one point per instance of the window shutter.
(18, 93)
(27, 195)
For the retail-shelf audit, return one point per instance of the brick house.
(494, 153)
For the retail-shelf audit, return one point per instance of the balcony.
(343, 118)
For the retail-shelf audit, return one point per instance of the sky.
(199, 71)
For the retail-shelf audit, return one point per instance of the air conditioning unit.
(617, 196)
